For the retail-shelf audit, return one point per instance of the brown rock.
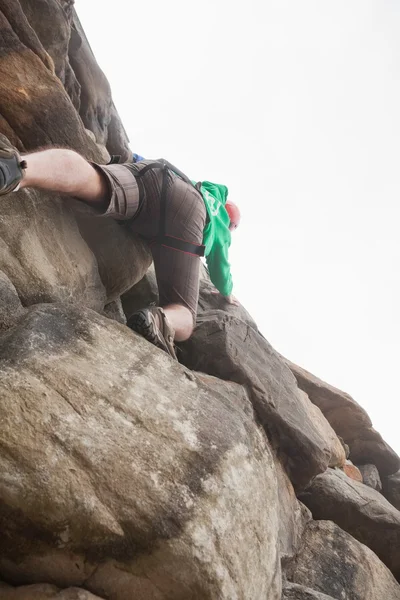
(352, 471)
(227, 347)
(52, 23)
(43, 253)
(369, 446)
(44, 592)
(122, 471)
(370, 475)
(359, 510)
(344, 414)
(332, 562)
(40, 112)
(349, 420)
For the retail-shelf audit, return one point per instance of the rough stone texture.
(44, 592)
(11, 308)
(123, 472)
(370, 475)
(293, 591)
(216, 347)
(330, 561)
(349, 420)
(391, 489)
(359, 510)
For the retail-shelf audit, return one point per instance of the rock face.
(190, 470)
(288, 415)
(124, 474)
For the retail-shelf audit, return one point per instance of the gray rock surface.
(331, 562)
(132, 482)
(359, 510)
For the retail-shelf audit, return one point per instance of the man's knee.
(181, 319)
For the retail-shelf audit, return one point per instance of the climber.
(179, 220)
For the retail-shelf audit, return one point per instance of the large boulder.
(331, 562)
(349, 420)
(359, 510)
(124, 473)
(227, 347)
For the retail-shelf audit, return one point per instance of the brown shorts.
(138, 200)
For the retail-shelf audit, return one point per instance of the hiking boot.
(11, 167)
(145, 323)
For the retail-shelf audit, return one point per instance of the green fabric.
(217, 237)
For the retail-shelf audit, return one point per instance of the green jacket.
(217, 237)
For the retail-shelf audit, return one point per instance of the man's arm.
(219, 269)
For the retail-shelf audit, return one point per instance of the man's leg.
(65, 172)
(181, 320)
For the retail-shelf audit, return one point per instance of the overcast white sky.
(295, 107)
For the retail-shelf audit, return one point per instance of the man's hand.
(229, 299)
(232, 300)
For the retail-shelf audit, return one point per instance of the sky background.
(295, 107)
